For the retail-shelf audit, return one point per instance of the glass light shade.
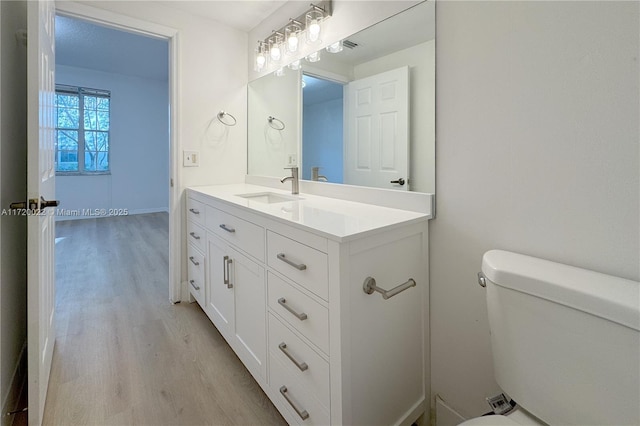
(275, 47)
(313, 57)
(292, 36)
(314, 25)
(261, 57)
(295, 65)
(279, 72)
(335, 47)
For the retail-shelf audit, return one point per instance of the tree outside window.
(82, 130)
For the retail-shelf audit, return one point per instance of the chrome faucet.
(317, 177)
(295, 183)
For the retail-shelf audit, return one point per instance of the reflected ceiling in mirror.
(367, 113)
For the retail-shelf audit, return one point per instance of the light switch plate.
(190, 158)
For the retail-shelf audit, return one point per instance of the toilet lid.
(489, 421)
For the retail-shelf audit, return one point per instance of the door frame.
(138, 26)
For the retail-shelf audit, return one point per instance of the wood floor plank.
(124, 354)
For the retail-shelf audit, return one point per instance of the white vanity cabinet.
(196, 238)
(292, 294)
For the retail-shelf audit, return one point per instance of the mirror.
(365, 115)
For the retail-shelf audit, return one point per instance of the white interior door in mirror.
(377, 131)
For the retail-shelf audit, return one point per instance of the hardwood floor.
(125, 355)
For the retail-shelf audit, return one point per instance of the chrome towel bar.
(370, 286)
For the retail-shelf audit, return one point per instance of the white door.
(376, 151)
(40, 185)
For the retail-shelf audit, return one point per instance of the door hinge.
(171, 182)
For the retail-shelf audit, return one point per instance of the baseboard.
(128, 213)
(18, 382)
(445, 415)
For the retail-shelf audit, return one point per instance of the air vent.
(349, 44)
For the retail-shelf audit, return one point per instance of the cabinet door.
(248, 280)
(220, 295)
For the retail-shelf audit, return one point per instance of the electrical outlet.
(190, 158)
(292, 160)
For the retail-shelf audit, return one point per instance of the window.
(82, 130)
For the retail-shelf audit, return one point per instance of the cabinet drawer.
(195, 273)
(244, 235)
(297, 401)
(302, 264)
(195, 211)
(293, 305)
(302, 362)
(196, 235)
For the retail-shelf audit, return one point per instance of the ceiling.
(243, 15)
(406, 29)
(86, 45)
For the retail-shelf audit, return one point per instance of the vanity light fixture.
(313, 57)
(335, 47)
(261, 56)
(275, 46)
(295, 65)
(314, 19)
(289, 38)
(292, 34)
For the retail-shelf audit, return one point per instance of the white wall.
(13, 187)
(421, 62)
(277, 97)
(139, 143)
(537, 152)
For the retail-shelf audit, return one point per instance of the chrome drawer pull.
(302, 413)
(223, 226)
(283, 302)
(301, 365)
(193, 234)
(194, 211)
(226, 277)
(370, 286)
(193, 260)
(300, 267)
(193, 283)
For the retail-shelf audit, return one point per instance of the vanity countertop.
(332, 218)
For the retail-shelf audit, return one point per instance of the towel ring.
(223, 114)
(276, 127)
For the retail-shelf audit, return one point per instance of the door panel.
(219, 296)
(376, 148)
(248, 281)
(40, 183)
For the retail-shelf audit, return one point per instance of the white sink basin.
(269, 197)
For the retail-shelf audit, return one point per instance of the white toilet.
(565, 341)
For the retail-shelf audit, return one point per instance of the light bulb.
(275, 53)
(260, 61)
(314, 31)
(292, 41)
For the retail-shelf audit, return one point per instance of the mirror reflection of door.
(357, 133)
(376, 151)
(322, 117)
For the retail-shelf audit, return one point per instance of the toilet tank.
(565, 340)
